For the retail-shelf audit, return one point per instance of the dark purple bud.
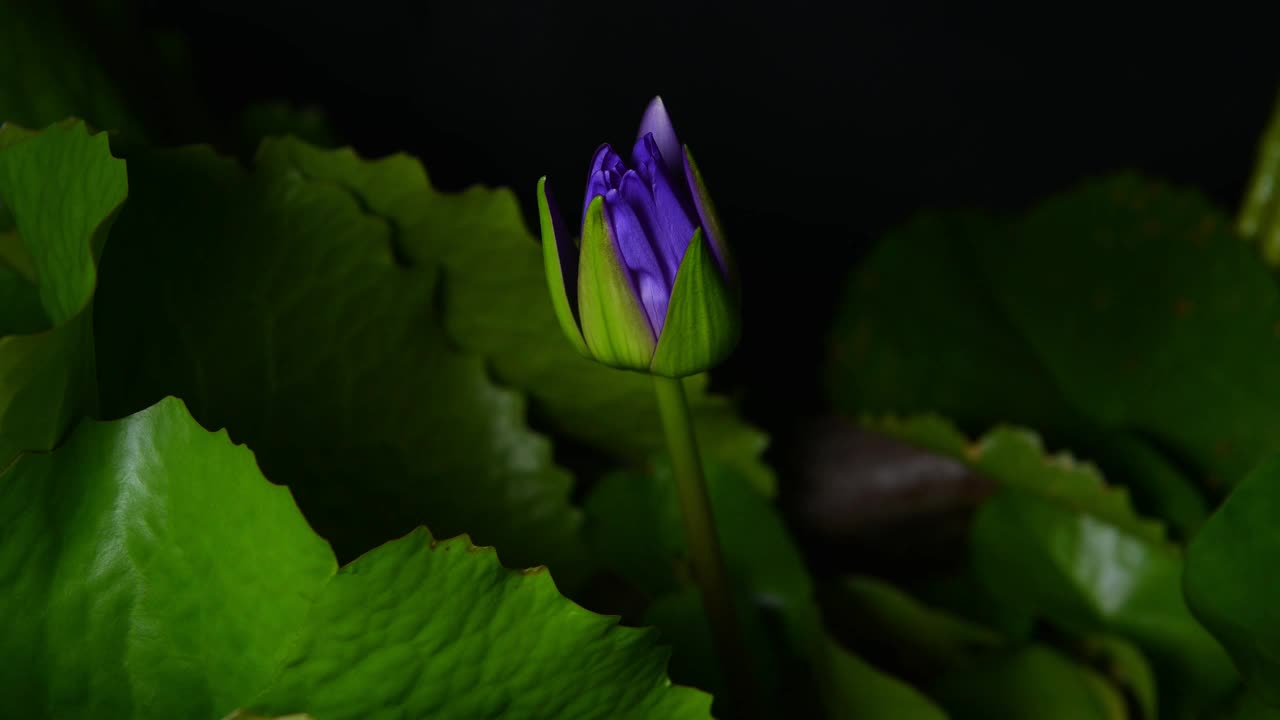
(651, 288)
(650, 210)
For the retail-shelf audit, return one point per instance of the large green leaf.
(1151, 315)
(272, 304)
(149, 571)
(1230, 571)
(47, 73)
(442, 629)
(634, 526)
(61, 188)
(495, 303)
(1058, 541)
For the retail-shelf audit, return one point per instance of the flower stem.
(704, 547)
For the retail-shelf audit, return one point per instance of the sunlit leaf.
(149, 571)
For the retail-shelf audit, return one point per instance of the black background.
(817, 125)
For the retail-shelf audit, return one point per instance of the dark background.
(817, 125)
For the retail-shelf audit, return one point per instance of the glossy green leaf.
(327, 359)
(614, 325)
(494, 302)
(148, 571)
(1057, 541)
(1259, 218)
(456, 634)
(1035, 683)
(61, 188)
(702, 323)
(634, 526)
(1230, 564)
(559, 253)
(169, 579)
(1086, 575)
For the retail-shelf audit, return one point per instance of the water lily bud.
(651, 286)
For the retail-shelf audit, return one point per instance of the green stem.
(704, 547)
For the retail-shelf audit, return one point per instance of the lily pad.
(152, 572)
(1229, 566)
(273, 305)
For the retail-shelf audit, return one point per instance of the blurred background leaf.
(328, 360)
(1058, 542)
(48, 72)
(633, 524)
(1229, 566)
(1036, 682)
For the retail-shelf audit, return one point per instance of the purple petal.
(657, 121)
(637, 254)
(604, 158)
(674, 217)
(606, 166)
(655, 295)
(638, 194)
(646, 158)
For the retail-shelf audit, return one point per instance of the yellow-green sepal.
(614, 325)
(710, 219)
(560, 259)
(703, 320)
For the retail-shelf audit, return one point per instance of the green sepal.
(614, 325)
(710, 220)
(557, 252)
(702, 322)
